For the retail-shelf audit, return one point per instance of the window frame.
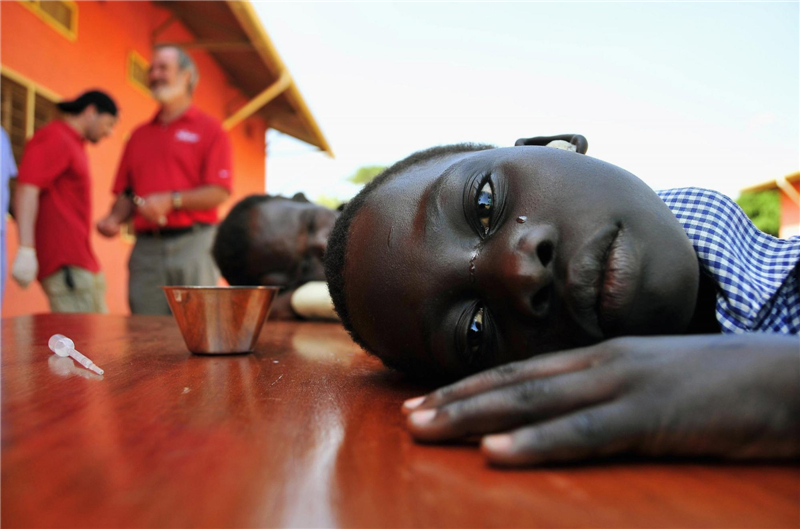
(33, 88)
(71, 34)
(135, 57)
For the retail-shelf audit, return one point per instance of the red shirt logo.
(187, 136)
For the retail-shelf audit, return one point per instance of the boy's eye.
(485, 205)
(475, 334)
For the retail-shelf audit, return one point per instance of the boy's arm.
(121, 211)
(735, 396)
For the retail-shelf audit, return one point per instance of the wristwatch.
(177, 200)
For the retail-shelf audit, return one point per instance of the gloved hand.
(25, 266)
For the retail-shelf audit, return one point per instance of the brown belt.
(169, 233)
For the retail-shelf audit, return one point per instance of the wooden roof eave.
(273, 94)
(773, 184)
(247, 17)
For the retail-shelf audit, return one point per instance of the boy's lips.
(620, 275)
(600, 280)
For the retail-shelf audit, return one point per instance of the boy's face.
(477, 259)
(288, 242)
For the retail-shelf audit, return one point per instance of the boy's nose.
(522, 270)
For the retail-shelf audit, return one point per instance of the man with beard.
(175, 171)
(53, 205)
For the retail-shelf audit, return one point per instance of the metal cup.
(220, 320)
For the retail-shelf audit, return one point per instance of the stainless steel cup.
(220, 320)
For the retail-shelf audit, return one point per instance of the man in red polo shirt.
(175, 171)
(53, 204)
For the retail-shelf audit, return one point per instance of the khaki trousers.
(158, 261)
(86, 293)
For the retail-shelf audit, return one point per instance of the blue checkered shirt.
(758, 288)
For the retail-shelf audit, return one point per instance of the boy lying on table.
(279, 241)
(601, 317)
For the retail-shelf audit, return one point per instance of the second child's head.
(273, 240)
(464, 257)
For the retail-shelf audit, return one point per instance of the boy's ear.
(300, 197)
(562, 141)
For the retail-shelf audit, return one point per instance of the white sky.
(703, 94)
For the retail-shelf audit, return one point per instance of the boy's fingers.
(593, 432)
(512, 406)
(507, 374)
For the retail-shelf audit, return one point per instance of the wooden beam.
(258, 102)
(248, 19)
(30, 113)
(162, 27)
(211, 45)
(772, 184)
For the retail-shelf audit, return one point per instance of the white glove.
(312, 301)
(564, 145)
(25, 266)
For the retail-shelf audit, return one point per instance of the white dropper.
(63, 346)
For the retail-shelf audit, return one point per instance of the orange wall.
(107, 32)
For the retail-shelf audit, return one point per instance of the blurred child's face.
(288, 242)
(477, 259)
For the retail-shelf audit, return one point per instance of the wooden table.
(306, 432)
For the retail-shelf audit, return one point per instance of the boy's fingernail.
(422, 417)
(410, 404)
(497, 443)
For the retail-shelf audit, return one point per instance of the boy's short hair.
(232, 241)
(338, 240)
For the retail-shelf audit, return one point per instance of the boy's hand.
(731, 396)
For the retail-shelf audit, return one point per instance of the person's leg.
(71, 289)
(189, 258)
(99, 293)
(148, 272)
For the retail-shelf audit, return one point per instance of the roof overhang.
(774, 184)
(787, 184)
(232, 34)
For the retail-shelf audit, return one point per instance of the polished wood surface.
(305, 432)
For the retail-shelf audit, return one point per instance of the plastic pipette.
(63, 346)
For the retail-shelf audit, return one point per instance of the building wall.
(790, 215)
(98, 58)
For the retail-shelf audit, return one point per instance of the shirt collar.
(188, 115)
(748, 266)
(72, 133)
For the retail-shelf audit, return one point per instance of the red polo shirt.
(190, 151)
(55, 161)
